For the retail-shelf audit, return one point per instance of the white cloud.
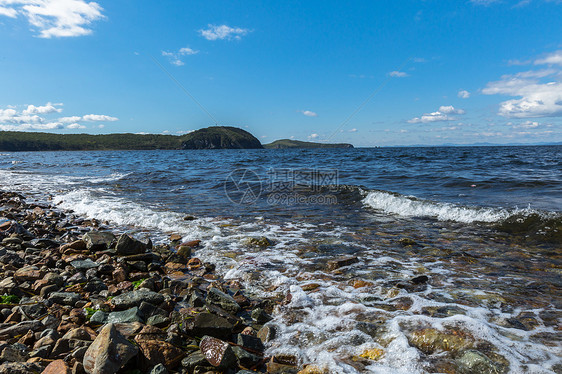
(49, 108)
(70, 119)
(313, 136)
(222, 32)
(309, 113)
(449, 109)
(8, 12)
(55, 18)
(402, 131)
(75, 126)
(98, 118)
(539, 92)
(175, 57)
(554, 58)
(484, 2)
(353, 130)
(398, 74)
(443, 114)
(524, 125)
(463, 94)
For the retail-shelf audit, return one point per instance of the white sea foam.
(412, 207)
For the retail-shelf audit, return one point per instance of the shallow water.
(482, 223)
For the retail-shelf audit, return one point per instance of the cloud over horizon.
(442, 114)
(223, 32)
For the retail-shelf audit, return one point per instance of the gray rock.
(222, 300)
(260, 316)
(209, 324)
(267, 333)
(245, 358)
(196, 359)
(109, 352)
(135, 298)
(158, 320)
(159, 369)
(125, 316)
(474, 362)
(98, 240)
(54, 278)
(64, 298)
(129, 246)
(251, 342)
(20, 368)
(84, 264)
(42, 352)
(99, 317)
(14, 353)
(20, 329)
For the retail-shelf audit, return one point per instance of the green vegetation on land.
(289, 143)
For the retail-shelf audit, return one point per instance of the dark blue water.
(486, 222)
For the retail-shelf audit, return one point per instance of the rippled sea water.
(452, 254)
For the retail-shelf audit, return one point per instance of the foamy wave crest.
(412, 207)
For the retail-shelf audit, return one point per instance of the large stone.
(135, 298)
(474, 362)
(98, 240)
(14, 353)
(217, 352)
(28, 273)
(57, 367)
(209, 324)
(129, 246)
(64, 298)
(222, 300)
(431, 340)
(20, 329)
(19, 368)
(109, 352)
(157, 351)
(84, 264)
(129, 315)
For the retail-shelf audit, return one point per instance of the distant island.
(216, 137)
(289, 143)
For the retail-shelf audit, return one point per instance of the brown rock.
(28, 273)
(57, 367)
(109, 352)
(217, 352)
(157, 351)
(175, 237)
(119, 275)
(341, 262)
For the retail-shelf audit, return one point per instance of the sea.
(381, 260)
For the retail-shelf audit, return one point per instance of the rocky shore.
(79, 298)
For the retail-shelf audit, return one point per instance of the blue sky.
(372, 73)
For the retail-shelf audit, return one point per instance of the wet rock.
(217, 352)
(222, 300)
(246, 358)
(184, 251)
(159, 369)
(262, 242)
(420, 279)
(64, 298)
(260, 316)
(474, 362)
(209, 324)
(135, 298)
(109, 352)
(368, 328)
(129, 246)
(407, 242)
(276, 366)
(431, 340)
(157, 351)
(251, 342)
(98, 240)
(57, 367)
(267, 333)
(158, 320)
(341, 262)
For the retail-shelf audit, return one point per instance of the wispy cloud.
(313, 136)
(99, 118)
(309, 113)
(223, 32)
(176, 57)
(463, 94)
(55, 18)
(444, 113)
(398, 74)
